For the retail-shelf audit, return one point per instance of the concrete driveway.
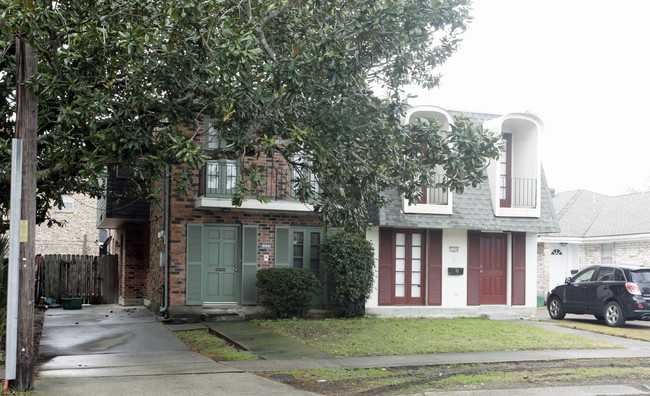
(109, 350)
(542, 314)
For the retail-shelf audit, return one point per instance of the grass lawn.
(406, 336)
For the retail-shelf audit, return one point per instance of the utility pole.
(26, 130)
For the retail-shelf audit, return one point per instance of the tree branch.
(260, 29)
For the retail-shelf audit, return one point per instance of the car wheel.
(555, 309)
(599, 317)
(614, 315)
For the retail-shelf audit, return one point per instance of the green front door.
(220, 264)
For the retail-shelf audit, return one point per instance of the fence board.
(87, 277)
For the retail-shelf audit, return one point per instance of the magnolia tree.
(117, 79)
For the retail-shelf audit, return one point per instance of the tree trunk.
(26, 129)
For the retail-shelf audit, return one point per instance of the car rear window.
(641, 276)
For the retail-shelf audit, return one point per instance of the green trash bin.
(71, 302)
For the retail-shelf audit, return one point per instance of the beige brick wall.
(632, 253)
(78, 234)
(543, 263)
(589, 255)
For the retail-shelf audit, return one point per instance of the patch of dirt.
(406, 378)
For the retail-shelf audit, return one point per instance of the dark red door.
(402, 267)
(493, 275)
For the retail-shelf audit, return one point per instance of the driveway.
(109, 349)
(542, 314)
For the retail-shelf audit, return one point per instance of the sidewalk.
(113, 350)
(109, 350)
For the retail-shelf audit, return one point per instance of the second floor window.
(505, 170)
(68, 204)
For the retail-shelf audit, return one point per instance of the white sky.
(583, 66)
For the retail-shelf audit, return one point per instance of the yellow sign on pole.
(23, 230)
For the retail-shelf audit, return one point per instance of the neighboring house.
(448, 255)
(78, 233)
(595, 229)
(469, 254)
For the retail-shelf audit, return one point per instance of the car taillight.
(633, 288)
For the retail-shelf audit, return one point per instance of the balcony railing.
(219, 178)
(523, 192)
(435, 195)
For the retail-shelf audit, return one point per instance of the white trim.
(428, 208)
(518, 212)
(252, 204)
(602, 239)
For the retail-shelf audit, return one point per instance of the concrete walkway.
(113, 350)
(108, 350)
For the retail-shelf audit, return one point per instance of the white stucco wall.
(454, 287)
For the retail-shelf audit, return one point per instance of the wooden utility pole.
(26, 129)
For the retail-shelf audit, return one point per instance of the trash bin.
(71, 302)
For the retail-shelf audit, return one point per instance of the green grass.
(400, 336)
(213, 347)
(633, 333)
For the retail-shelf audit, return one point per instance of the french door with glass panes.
(409, 277)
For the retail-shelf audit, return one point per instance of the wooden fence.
(92, 278)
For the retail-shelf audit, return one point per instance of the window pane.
(399, 278)
(297, 251)
(416, 278)
(416, 265)
(400, 238)
(584, 277)
(399, 290)
(415, 291)
(416, 252)
(416, 240)
(400, 252)
(400, 265)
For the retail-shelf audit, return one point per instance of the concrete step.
(222, 317)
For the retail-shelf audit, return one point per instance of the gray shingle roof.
(586, 214)
(472, 210)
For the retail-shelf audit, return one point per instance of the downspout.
(165, 236)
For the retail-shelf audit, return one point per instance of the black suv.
(615, 293)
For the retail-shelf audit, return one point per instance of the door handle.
(236, 268)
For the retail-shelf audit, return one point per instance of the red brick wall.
(184, 212)
(133, 257)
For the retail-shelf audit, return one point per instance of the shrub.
(349, 260)
(286, 292)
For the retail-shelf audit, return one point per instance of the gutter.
(165, 236)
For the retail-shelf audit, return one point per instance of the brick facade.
(78, 233)
(141, 251)
(131, 242)
(589, 255)
(543, 262)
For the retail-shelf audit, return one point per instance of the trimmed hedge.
(287, 292)
(349, 260)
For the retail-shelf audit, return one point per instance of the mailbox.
(455, 271)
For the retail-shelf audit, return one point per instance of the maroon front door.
(493, 278)
(402, 267)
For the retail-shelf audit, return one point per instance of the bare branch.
(260, 29)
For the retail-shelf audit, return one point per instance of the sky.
(582, 66)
